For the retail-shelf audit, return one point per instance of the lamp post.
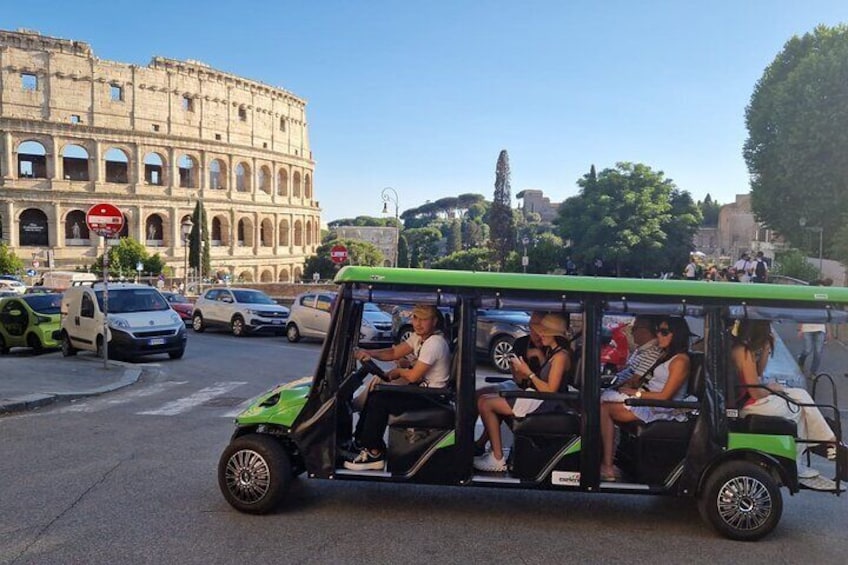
(186, 227)
(389, 194)
(802, 221)
(524, 259)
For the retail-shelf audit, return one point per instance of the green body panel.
(575, 446)
(779, 446)
(44, 331)
(292, 397)
(449, 440)
(605, 285)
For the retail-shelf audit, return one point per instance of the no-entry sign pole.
(106, 220)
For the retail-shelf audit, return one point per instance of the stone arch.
(243, 178)
(76, 229)
(244, 236)
(307, 186)
(246, 276)
(188, 171)
(33, 228)
(264, 179)
(220, 231)
(284, 233)
(296, 184)
(317, 228)
(308, 232)
(387, 263)
(298, 274)
(117, 163)
(75, 162)
(283, 182)
(266, 233)
(154, 230)
(154, 169)
(266, 276)
(298, 232)
(283, 276)
(32, 160)
(217, 174)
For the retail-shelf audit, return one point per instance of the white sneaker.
(806, 472)
(489, 463)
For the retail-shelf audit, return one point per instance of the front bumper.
(257, 324)
(147, 342)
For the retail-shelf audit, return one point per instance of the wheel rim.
(248, 476)
(197, 323)
(292, 333)
(500, 354)
(238, 326)
(744, 503)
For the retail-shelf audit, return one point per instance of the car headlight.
(367, 323)
(176, 318)
(119, 323)
(525, 329)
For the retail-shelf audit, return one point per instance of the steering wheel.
(374, 369)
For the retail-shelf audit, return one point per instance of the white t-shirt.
(435, 353)
(690, 271)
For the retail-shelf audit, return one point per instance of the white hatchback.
(310, 317)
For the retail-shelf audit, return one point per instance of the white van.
(10, 285)
(141, 322)
(62, 280)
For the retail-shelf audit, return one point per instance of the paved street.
(129, 477)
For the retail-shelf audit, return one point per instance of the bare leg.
(492, 409)
(611, 413)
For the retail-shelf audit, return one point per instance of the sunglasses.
(664, 331)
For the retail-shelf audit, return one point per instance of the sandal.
(613, 477)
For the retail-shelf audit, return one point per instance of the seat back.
(695, 382)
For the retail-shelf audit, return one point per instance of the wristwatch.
(638, 394)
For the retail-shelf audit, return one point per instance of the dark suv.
(496, 331)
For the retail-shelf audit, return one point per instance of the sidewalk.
(28, 382)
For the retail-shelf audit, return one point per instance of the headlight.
(525, 329)
(119, 323)
(41, 319)
(367, 323)
(176, 318)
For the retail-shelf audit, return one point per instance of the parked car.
(180, 304)
(497, 330)
(310, 317)
(140, 321)
(12, 285)
(43, 290)
(29, 321)
(241, 310)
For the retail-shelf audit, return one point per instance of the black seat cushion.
(663, 429)
(760, 424)
(432, 414)
(564, 422)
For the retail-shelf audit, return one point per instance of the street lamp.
(389, 194)
(802, 221)
(186, 227)
(524, 259)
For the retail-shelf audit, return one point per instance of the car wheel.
(500, 351)
(237, 326)
(292, 333)
(68, 350)
(254, 473)
(35, 344)
(3, 349)
(197, 323)
(404, 334)
(178, 354)
(741, 500)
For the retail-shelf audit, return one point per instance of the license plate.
(277, 322)
(157, 341)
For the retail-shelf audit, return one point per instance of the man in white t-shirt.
(744, 268)
(430, 367)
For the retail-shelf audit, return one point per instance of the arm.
(412, 375)
(389, 354)
(746, 366)
(560, 364)
(678, 372)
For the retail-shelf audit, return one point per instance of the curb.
(33, 401)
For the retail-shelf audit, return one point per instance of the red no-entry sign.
(338, 254)
(105, 219)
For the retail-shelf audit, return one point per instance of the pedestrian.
(570, 267)
(813, 336)
(744, 268)
(690, 272)
(760, 268)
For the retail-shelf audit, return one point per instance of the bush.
(793, 263)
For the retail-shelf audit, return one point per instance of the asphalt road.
(130, 477)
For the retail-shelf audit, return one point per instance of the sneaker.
(488, 462)
(365, 461)
(805, 472)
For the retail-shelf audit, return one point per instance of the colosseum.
(78, 130)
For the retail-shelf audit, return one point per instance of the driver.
(431, 368)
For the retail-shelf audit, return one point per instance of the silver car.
(241, 310)
(310, 317)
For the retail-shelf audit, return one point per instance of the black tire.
(35, 344)
(404, 333)
(741, 500)
(3, 349)
(499, 352)
(237, 326)
(292, 332)
(68, 350)
(197, 323)
(254, 473)
(178, 354)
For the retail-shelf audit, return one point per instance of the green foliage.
(154, 264)
(10, 263)
(839, 244)
(358, 252)
(403, 252)
(793, 263)
(454, 237)
(423, 242)
(709, 212)
(546, 254)
(365, 221)
(501, 221)
(797, 124)
(478, 259)
(445, 208)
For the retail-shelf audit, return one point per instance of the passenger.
(431, 368)
(664, 381)
(643, 357)
(753, 344)
(528, 347)
(553, 332)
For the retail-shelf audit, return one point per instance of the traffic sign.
(31, 272)
(105, 219)
(338, 254)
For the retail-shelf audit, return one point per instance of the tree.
(454, 237)
(403, 252)
(709, 212)
(9, 262)
(124, 257)
(154, 264)
(423, 243)
(797, 124)
(479, 259)
(199, 232)
(358, 253)
(501, 222)
(546, 254)
(793, 263)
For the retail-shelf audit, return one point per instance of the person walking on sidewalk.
(813, 336)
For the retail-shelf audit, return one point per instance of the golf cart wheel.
(742, 501)
(68, 350)
(500, 351)
(254, 473)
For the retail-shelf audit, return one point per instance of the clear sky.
(422, 95)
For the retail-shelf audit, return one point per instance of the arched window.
(246, 276)
(245, 233)
(154, 230)
(33, 228)
(74, 163)
(217, 174)
(307, 186)
(267, 276)
(154, 168)
(265, 179)
(117, 166)
(284, 233)
(243, 177)
(267, 233)
(296, 184)
(76, 229)
(188, 172)
(284, 275)
(298, 274)
(217, 233)
(308, 232)
(283, 183)
(298, 233)
(32, 160)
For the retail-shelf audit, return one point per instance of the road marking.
(183, 404)
(101, 403)
(238, 409)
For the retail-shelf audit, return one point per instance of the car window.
(211, 294)
(86, 306)
(252, 297)
(224, 296)
(44, 303)
(176, 298)
(371, 307)
(128, 300)
(325, 303)
(308, 300)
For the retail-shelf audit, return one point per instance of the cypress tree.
(501, 221)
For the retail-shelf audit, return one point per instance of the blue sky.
(422, 96)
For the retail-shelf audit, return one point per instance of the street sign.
(105, 219)
(31, 272)
(338, 254)
(139, 266)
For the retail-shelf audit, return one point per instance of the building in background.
(77, 130)
(535, 201)
(383, 238)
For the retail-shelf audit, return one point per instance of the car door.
(83, 327)
(208, 305)
(306, 315)
(224, 306)
(15, 319)
(321, 316)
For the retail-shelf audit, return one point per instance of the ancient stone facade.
(76, 130)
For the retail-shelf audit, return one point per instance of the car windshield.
(371, 307)
(176, 298)
(44, 303)
(252, 297)
(127, 300)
